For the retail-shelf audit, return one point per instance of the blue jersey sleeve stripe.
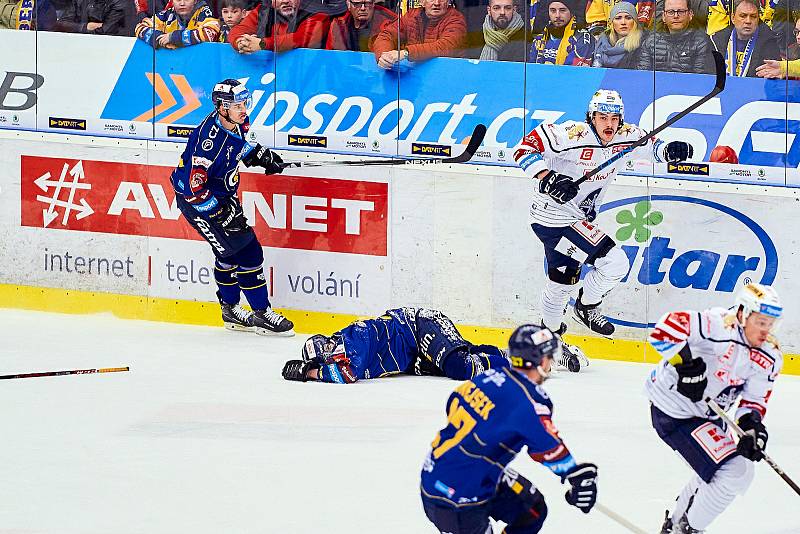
(562, 466)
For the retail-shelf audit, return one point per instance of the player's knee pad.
(613, 264)
(224, 273)
(250, 277)
(437, 336)
(568, 277)
(557, 291)
(735, 475)
(251, 254)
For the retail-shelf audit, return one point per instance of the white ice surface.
(204, 436)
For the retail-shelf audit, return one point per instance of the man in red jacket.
(358, 28)
(434, 30)
(278, 27)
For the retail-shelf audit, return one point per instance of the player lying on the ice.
(415, 341)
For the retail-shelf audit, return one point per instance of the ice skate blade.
(269, 333)
(233, 327)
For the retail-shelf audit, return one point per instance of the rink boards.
(89, 225)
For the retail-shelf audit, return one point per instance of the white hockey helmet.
(606, 101)
(758, 298)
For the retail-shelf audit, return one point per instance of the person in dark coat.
(98, 17)
(748, 42)
(676, 46)
(356, 30)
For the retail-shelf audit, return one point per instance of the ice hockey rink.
(204, 436)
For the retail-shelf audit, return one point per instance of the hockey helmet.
(758, 298)
(229, 92)
(317, 348)
(606, 101)
(530, 344)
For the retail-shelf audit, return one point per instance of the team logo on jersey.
(427, 149)
(67, 124)
(696, 169)
(179, 131)
(207, 145)
(308, 140)
(576, 131)
(587, 153)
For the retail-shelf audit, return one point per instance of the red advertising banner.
(136, 199)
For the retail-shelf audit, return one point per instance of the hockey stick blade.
(618, 519)
(474, 143)
(716, 408)
(719, 86)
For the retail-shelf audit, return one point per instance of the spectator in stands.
(562, 43)
(540, 15)
(146, 9)
(358, 28)
(782, 22)
(619, 46)
(598, 14)
(280, 25)
(793, 50)
(30, 15)
(186, 23)
(676, 47)
(434, 30)
(233, 12)
(700, 11)
(748, 42)
(503, 33)
(98, 17)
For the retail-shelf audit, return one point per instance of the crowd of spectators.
(756, 37)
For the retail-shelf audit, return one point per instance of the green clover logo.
(636, 223)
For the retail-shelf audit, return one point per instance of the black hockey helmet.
(530, 344)
(230, 91)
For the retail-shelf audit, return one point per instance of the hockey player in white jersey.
(562, 211)
(725, 355)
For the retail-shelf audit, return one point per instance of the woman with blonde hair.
(618, 46)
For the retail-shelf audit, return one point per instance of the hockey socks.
(254, 286)
(225, 276)
(461, 365)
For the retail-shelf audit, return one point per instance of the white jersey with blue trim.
(733, 368)
(573, 149)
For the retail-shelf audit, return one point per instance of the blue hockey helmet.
(530, 344)
(317, 348)
(229, 92)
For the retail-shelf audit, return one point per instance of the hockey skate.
(591, 317)
(683, 527)
(572, 357)
(234, 317)
(268, 322)
(667, 527)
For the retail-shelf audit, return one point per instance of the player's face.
(361, 10)
(757, 327)
(623, 24)
(677, 15)
(237, 112)
(501, 12)
(606, 125)
(559, 14)
(184, 7)
(232, 16)
(745, 20)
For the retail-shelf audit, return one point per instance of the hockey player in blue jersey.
(465, 478)
(414, 341)
(206, 182)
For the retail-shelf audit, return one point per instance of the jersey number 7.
(462, 421)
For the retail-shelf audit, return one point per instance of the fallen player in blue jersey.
(414, 341)
(465, 479)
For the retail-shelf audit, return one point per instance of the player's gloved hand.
(583, 493)
(755, 438)
(298, 370)
(559, 187)
(261, 156)
(692, 379)
(230, 216)
(676, 151)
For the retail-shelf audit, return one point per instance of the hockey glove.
(676, 151)
(263, 157)
(583, 493)
(298, 370)
(559, 187)
(230, 217)
(755, 438)
(692, 379)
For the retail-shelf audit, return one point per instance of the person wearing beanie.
(562, 43)
(618, 46)
(598, 14)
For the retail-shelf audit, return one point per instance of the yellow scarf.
(563, 45)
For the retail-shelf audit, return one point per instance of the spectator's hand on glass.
(248, 43)
(387, 60)
(92, 26)
(770, 69)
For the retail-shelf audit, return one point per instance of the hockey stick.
(475, 141)
(719, 85)
(74, 372)
(619, 519)
(721, 413)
